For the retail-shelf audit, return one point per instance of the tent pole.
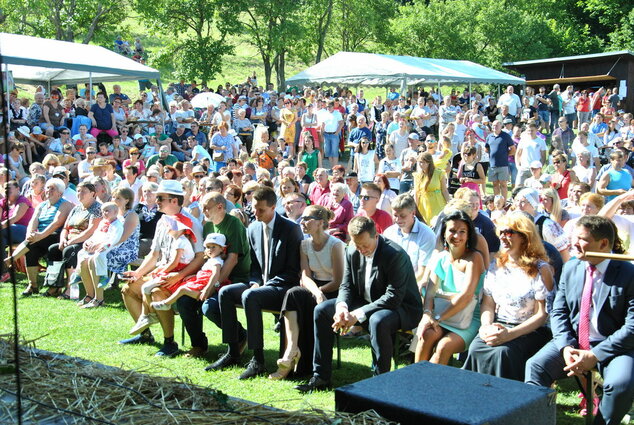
(469, 104)
(7, 93)
(498, 91)
(90, 87)
(163, 103)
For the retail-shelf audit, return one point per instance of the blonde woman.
(430, 187)
(551, 204)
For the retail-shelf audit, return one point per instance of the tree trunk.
(323, 30)
(280, 64)
(268, 70)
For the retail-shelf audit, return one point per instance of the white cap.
(217, 239)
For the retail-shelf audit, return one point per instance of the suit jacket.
(615, 303)
(284, 268)
(393, 283)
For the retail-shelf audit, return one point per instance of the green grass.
(60, 326)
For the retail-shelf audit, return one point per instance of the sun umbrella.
(202, 100)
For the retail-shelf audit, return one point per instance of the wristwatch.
(217, 285)
(437, 317)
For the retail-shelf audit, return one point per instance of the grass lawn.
(92, 334)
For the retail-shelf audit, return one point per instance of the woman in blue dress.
(451, 317)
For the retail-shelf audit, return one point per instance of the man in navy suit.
(275, 243)
(593, 321)
(378, 290)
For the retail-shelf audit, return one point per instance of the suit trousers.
(382, 326)
(618, 380)
(254, 300)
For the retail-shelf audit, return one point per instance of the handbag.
(55, 275)
(460, 320)
(218, 156)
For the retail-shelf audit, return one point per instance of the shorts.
(544, 115)
(331, 145)
(498, 174)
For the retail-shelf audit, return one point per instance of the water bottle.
(74, 291)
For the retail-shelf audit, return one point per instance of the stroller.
(452, 180)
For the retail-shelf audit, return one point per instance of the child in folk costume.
(206, 280)
(181, 254)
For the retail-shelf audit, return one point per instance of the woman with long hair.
(513, 320)
(308, 154)
(365, 161)
(563, 176)
(430, 187)
(451, 315)
(551, 205)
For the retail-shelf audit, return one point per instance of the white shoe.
(144, 322)
(161, 306)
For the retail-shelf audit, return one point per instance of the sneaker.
(144, 322)
(161, 306)
(169, 349)
(144, 338)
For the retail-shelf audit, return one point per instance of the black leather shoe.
(314, 384)
(254, 368)
(225, 361)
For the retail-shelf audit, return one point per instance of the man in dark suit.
(593, 321)
(275, 243)
(378, 290)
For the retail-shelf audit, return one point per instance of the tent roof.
(368, 69)
(34, 60)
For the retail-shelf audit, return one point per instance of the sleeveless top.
(366, 165)
(619, 180)
(126, 252)
(564, 182)
(320, 262)
(311, 160)
(310, 122)
(48, 213)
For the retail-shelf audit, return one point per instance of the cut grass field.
(60, 326)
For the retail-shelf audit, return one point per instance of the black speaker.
(429, 394)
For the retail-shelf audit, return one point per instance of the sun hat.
(216, 239)
(171, 187)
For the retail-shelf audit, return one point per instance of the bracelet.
(428, 311)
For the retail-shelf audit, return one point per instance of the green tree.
(82, 21)
(272, 27)
(197, 39)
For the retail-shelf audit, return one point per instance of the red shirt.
(381, 219)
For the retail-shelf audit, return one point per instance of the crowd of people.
(340, 213)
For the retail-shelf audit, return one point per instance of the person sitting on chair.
(275, 244)
(378, 291)
(592, 321)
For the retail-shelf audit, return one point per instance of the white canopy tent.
(34, 60)
(368, 69)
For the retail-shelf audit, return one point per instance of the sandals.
(94, 304)
(30, 290)
(86, 300)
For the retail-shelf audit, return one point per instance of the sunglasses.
(133, 153)
(508, 232)
(248, 192)
(65, 132)
(91, 153)
(556, 162)
(160, 198)
(199, 176)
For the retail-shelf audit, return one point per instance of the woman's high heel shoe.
(284, 366)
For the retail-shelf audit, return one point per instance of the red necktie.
(586, 309)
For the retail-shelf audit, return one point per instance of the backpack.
(55, 275)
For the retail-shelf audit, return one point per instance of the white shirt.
(531, 150)
(419, 243)
(331, 121)
(512, 101)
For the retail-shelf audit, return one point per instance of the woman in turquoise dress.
(451, 315)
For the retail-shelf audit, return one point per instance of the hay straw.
(102, 394)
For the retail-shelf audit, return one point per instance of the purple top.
(27, 215)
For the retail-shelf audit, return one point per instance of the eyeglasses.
(368, 197)
(209, 188)
(160, 198)
(133, 153)
(91, 153)
(509, 232)
(65, 132)
(248, 192)
(556, 162)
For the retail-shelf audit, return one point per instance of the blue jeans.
(405, 186)
(513, 170)
(331, 145)
(18, 233)
(218, 165)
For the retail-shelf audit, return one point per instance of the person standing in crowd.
(500, 146)
(530, 148)
(590, 321)
(331, 126)
(510, 99)
(378, 291)
(430, 187)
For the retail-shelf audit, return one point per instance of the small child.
(499, 203)
(97, 247)
(181, 254)
(206, 280)
(535, 181)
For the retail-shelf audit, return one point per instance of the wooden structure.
(609, 70)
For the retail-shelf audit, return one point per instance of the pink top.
(24, 220)
(140, 165)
